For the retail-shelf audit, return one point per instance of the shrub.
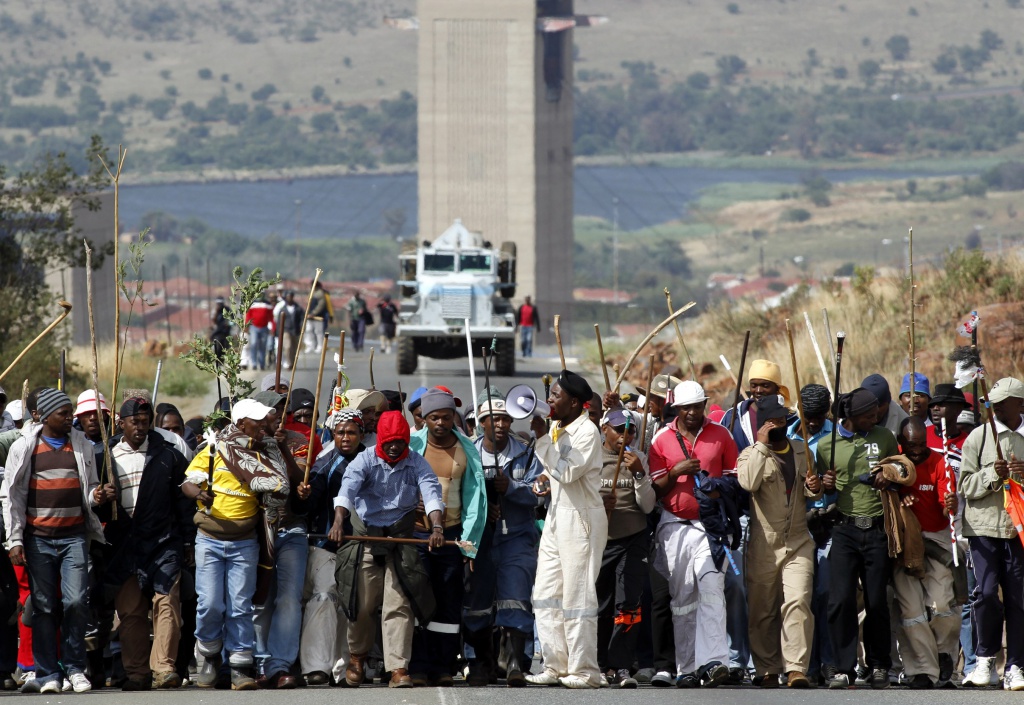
(159, 107)
(796, 215)
(729, 66)
(205, 74)
(868, 70)
(698, 81)
(898, 46)
(264, 92)
(732, 8)
(28, 86)
(945, 63)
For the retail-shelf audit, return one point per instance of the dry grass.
(180, 383)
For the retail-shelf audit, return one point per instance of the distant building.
(495, 134)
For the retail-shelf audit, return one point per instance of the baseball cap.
(772, 406)
(249, 409)
(135, 405)
(301, 399)
(87, 402)
(16, 410)
(688, 392)
(1005, 388)
(364, 399)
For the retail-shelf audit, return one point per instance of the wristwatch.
(437, 527)
(639, 475)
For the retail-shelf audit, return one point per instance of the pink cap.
(87, 402)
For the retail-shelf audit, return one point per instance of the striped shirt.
(54, 503)
(129, 463)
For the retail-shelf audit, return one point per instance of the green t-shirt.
(855, 456)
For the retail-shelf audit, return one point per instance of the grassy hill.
(145, 73)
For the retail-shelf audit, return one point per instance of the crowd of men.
(631, 538)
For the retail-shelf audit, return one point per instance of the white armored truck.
(458, 277)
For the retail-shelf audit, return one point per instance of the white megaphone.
(522, 402)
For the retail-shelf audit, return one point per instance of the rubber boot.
(518, 662)
(208, 674)
(481, 666)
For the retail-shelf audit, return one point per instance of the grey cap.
(435, 400)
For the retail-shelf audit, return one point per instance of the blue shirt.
(381, 494)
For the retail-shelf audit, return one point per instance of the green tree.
(899, 46)
(37, 233)
(868, 70)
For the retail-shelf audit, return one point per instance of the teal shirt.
(474, 492)
(856, 454)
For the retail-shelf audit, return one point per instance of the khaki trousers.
(930, 620)
(378, 585)
(141, 660)
(779, 588)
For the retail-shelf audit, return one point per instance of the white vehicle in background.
(458, 277)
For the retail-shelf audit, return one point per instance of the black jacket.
(150, 544)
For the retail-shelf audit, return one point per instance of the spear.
(679, 333)
(643, 421)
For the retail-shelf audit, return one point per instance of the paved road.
(495, 695)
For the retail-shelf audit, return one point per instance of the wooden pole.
(679, 335)
(828, 334)
(912, 328)
(280, 350)
(107, 460)
(115, 176)
(167, 304)
(643, 421)
(558, 339)
(61, 385)
(373, 384)
(298, 347)
(188, 288)
(618, 466)
(63, 314)
(316, 407)
(336, 402)
(799, 401)
(604, 364)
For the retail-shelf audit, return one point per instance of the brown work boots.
(354, 670)
(400, 679)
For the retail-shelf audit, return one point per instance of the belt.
(861, 522)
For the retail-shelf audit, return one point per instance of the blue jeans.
(358, 329)
(526, 340)
(279, 621)
(736, 605)
(258, 338)
(57, 573)
(225, 583)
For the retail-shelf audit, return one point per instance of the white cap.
(15, 410)
(966, 416)
(249, 409)
(688, 392)
(1006, 388)
(87, 402)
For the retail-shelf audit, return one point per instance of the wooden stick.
(107, 459)
(991, 417)
(650, 336)
(912, 328)
(24, 400)
(63, 314)
(679, 334)
(280, 350)
(799, 401)
(373, 384)
(63, 370)
(336, 402)
(115, 176)
(817, 351)
(388, 539)
(298, 346)
(643, 422)
(316, 408)
(739, 384)
(558, 339)
(402, 401)
(604, 365)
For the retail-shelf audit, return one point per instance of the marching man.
(571, 547)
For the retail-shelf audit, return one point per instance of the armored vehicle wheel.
(506, 362)
(406, 356)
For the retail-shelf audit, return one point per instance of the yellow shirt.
(232, 500)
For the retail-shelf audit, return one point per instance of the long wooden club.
(316, 408)
(604, 364)
(799, 400)
(107, 459)
(650, 336)
(66, 306)
(679, 335)
(298, 346)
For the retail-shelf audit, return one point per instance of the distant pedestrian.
(527, 320)
(220, 328)
(260, 319)
(358, 313)
(388, 313)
